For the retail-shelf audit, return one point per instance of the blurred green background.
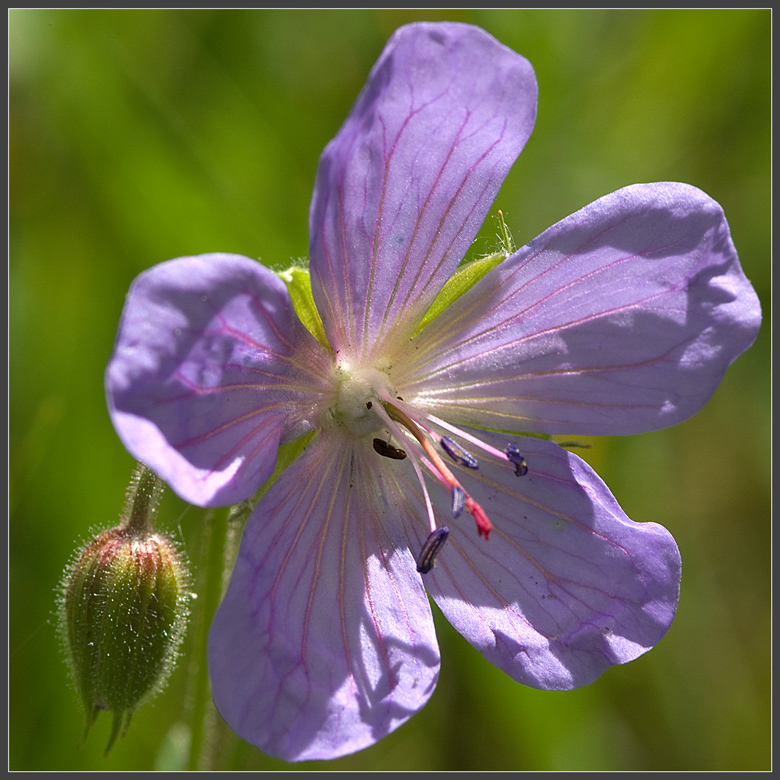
(137, 136)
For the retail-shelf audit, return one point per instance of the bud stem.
(142, 501)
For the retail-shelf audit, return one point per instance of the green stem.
(213, 562)
(219, 548)
(142, 500)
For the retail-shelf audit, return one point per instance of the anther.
(432, 547)
(440, 468)
(517, 460)
(458, 454)
(387, 449)
(458, 500)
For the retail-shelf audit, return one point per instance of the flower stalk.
(202, 715)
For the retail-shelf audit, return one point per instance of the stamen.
(396, 431)
(387, 449)
(458, 499)
(458, 454)
(466, 436)
(517, 459)
(426, 496)
(391, 412)
(432, 547)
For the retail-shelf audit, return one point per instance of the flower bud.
(123, 610)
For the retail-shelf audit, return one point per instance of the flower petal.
(620, 319)
(211, 369)
(324, 642)
(567, 585)
(403, 188)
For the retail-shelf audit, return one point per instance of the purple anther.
(458, 454)
(431, 548)
(517, 459)
(458, 499)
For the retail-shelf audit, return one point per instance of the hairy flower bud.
(123, 610)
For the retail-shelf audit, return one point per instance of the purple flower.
(620, 319)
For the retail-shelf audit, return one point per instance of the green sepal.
(298, 283)
(460, 282)
(469, 274)
(119, 726)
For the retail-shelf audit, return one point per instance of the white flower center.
(358, 393)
